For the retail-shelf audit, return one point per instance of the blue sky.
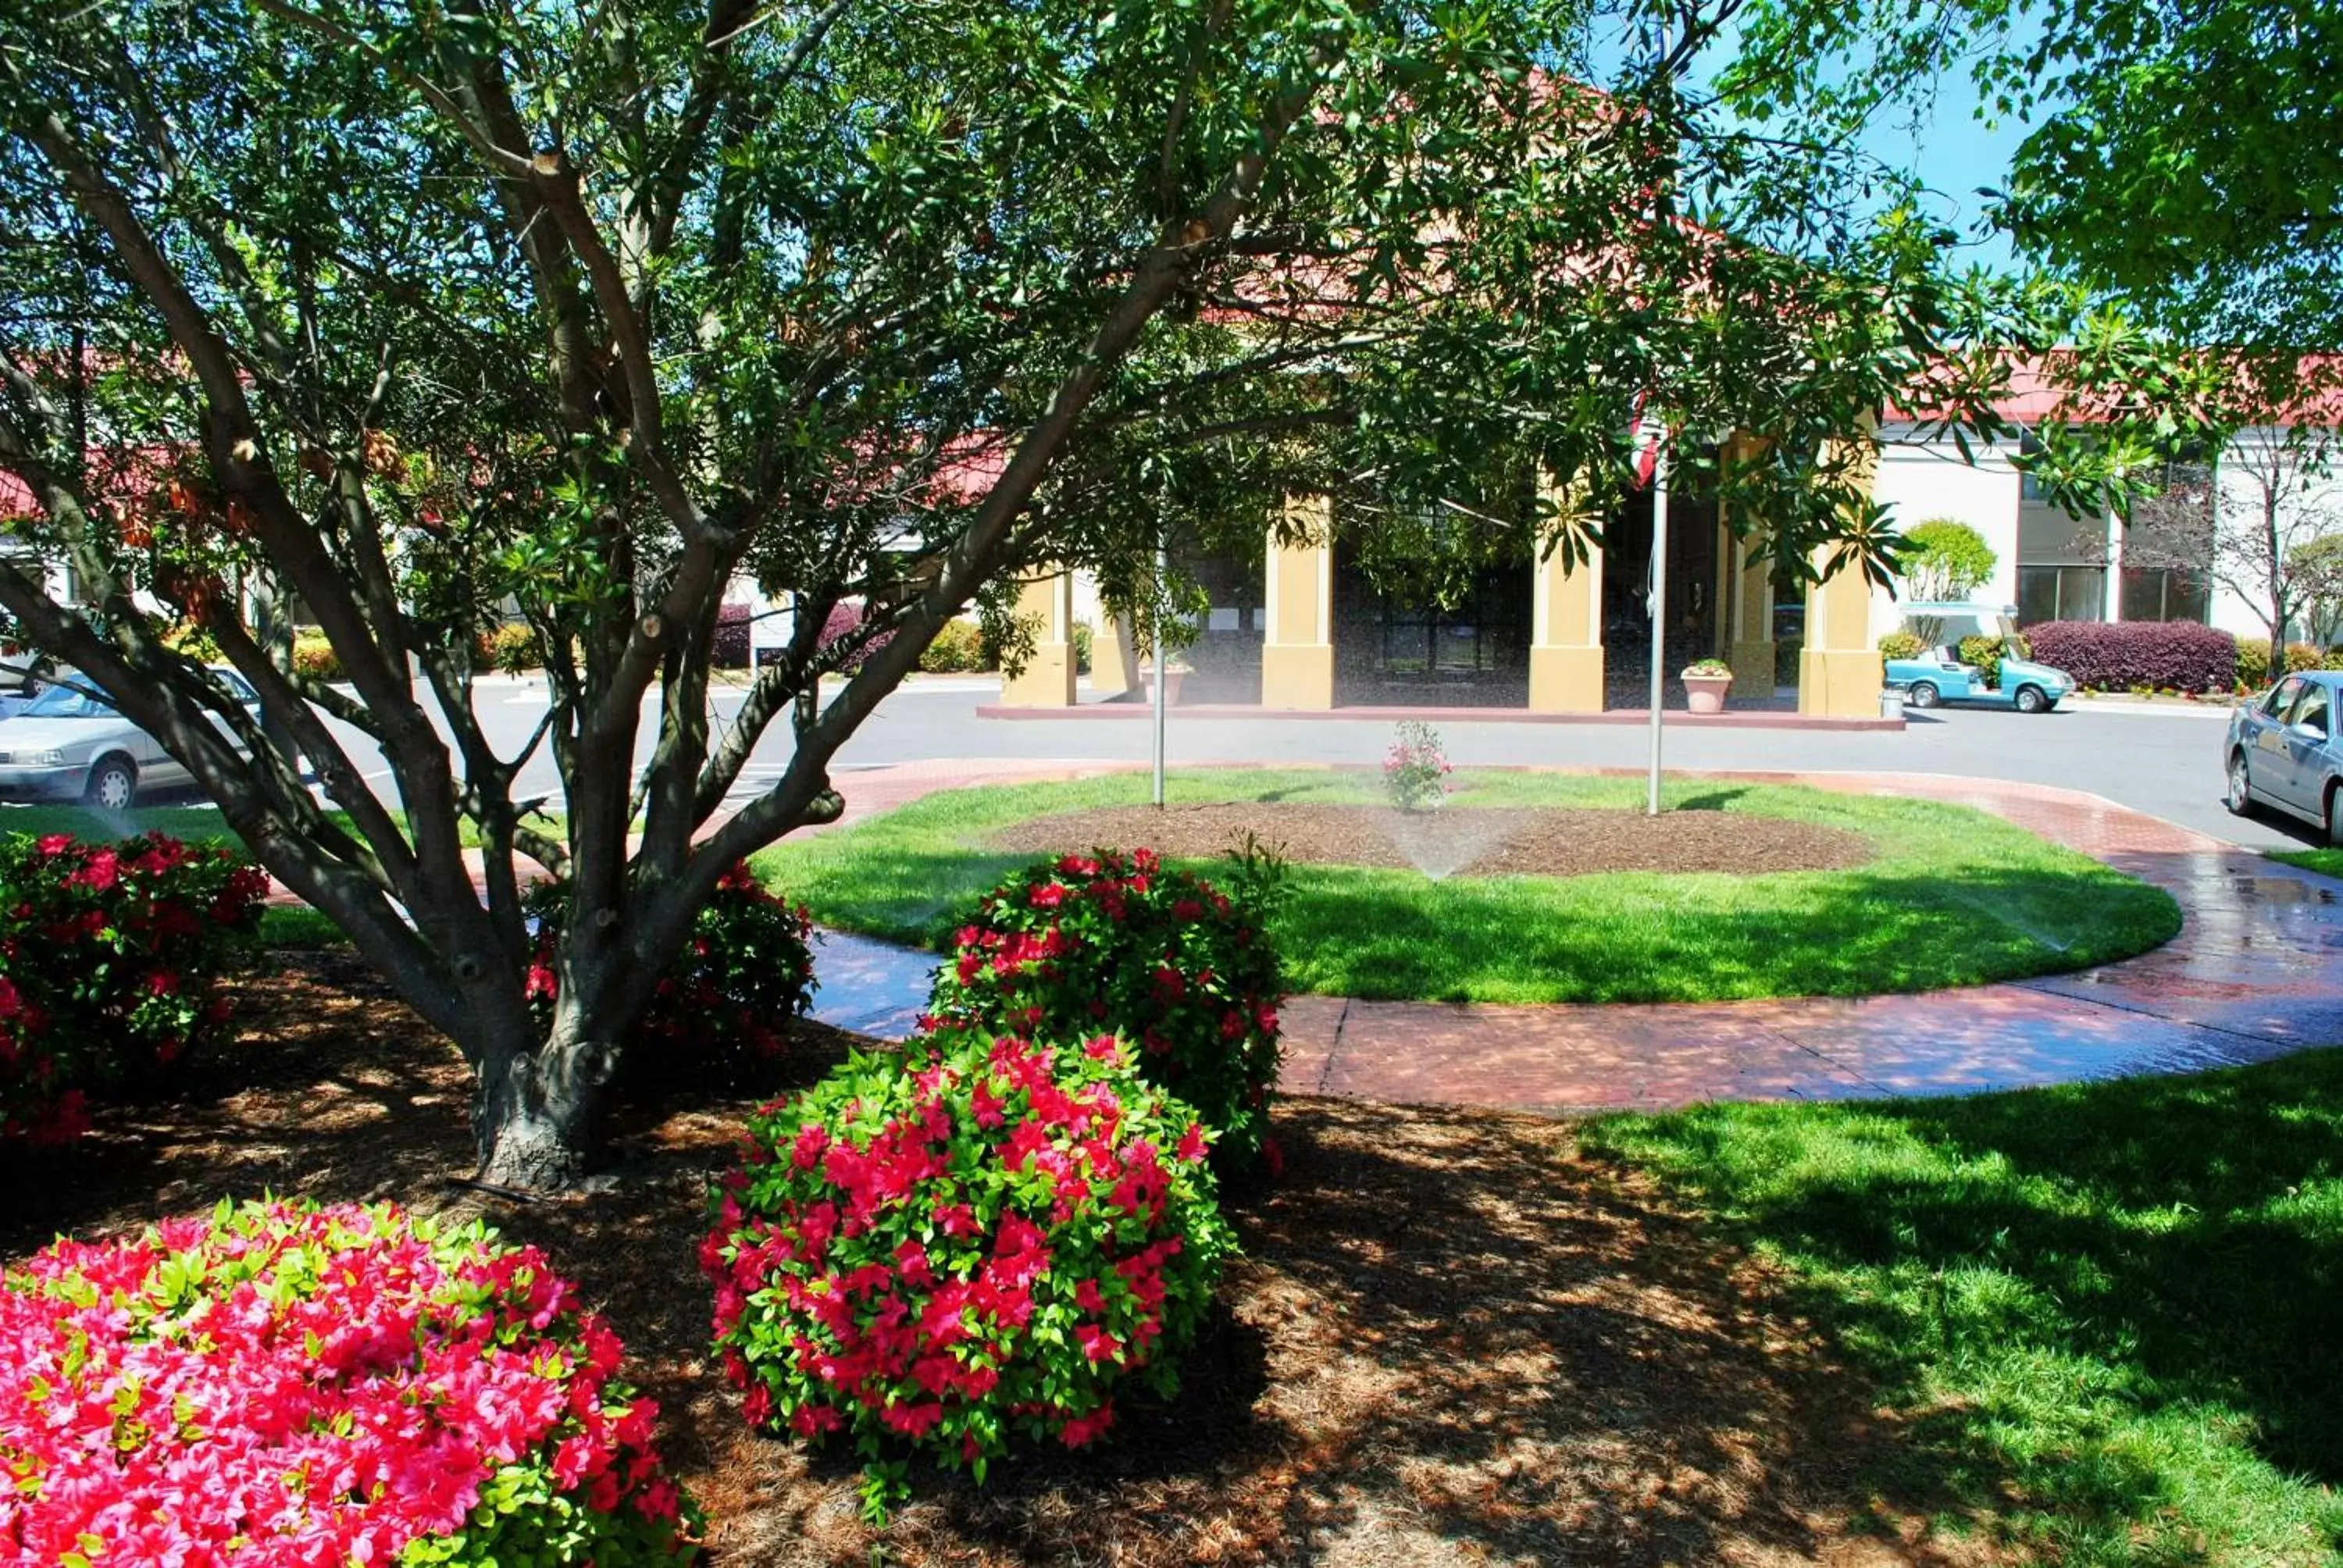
(1954, 153)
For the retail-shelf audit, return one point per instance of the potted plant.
(1705, 683)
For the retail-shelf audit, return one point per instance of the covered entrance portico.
(1543, 633)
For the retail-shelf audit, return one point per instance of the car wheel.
(1921, 695)
(2029, 699)
(2334, 816)
(2239, 796)
(112, 784)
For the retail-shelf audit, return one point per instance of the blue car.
(1939, 676)
(2280, 752)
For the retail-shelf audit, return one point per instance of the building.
(1302, 627)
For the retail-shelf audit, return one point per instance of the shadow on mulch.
(1453, 1339)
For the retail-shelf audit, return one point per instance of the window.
(2165, 593)
(2047, 592)
(2274, 706)
(2313, 708)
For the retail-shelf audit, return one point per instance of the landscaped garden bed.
(1910, 895)
(1449, 1338)
(2087, 1325)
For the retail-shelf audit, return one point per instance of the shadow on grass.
(2126, 1297)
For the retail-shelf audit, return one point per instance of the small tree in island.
(1943, 560)
(413, 314)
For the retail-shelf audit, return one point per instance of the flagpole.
(1657, 602)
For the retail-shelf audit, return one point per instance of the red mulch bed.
(1466, 840)
(1454, 1339)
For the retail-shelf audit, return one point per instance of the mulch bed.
(1454, 1339)
(1459, 841)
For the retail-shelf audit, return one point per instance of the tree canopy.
(2188, 158)
(420, 313)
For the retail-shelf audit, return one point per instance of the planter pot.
(1705, 693)
(1145, 691)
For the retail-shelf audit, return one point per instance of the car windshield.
(66, 702)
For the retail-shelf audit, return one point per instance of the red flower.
(1048, 896)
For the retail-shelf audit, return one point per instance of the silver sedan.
(2281, 751)
(69, 744)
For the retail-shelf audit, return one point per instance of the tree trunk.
(534, 1112)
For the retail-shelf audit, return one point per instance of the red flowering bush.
(1107, 942)
(986, 1238)
(109, 956)
(283, 1384)
(724, 1007)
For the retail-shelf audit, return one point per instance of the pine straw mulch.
(1453, 1339)
(1466, 840)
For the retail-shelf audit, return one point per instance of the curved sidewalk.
(2256, 972)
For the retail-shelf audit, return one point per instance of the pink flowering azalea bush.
(1122, 943)
(983, 1239)
(110, 955)
(287, 1386)
(723, 1010)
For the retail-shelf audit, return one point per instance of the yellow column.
(1114, 662)
(1046, 604)
(1748, 596)
(1297, 651)
(1566, 625)
(1839, 670)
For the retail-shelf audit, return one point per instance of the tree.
(415, 313)
(1943, 560)
(2282, 479)
(2316, 567)
(2185, 157)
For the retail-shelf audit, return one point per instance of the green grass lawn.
(1955, 898)
(2326, 862)
(2107, 1318)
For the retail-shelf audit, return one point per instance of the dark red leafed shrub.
(978, 1240)
(281, 1385)
(2120, 655)
(724, 1008)
(731, 647)
(109, 959)
(1108, 942)
(845, 623)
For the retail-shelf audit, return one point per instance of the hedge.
(2123, 656)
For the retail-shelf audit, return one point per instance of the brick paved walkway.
(2256, 973)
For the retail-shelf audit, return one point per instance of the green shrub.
(2302, 656)
(315, 657)
(958, 649)
(280, 1383)
(1987, 654)
(1121, 943)
(722, 1013)
(110, 955)
(191, 639)
(1900, 645)
(1786, 660)
(1082, 641)
(510, 648)
(978, 1240)
(2253, 662)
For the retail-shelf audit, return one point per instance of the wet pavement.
(2256, 972)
